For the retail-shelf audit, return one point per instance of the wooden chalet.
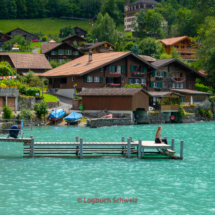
(3, 39)
(74, 38)
(182, 44)
(60, 52)
(25, 34)
(80, 32)
(25, 62)
(97, 47)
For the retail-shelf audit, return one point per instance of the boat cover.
(56, 114)
(73, 116)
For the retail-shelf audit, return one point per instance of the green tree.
(25, 113)
(4, 10)
(65, 32)
(105, 29)
(7, 112)
(128, 46)
(41, 109)
(135, 50)
(6, 69)
(21, 41)
(32, 9)
(21, 9)
(12, 9)
(7, 46)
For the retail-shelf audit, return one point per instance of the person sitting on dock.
(158, 136)
(14, 131)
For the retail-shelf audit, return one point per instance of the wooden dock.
(81, 149)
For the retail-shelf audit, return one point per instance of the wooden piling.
(139, 148)
(173, 144)
(123, 147)
(77, 147)
(131, 138)
(32, 146)
(81, 148)
(76, 139)
(182, 150)
(123, 139)
(129, 147)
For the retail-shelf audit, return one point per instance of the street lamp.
(16, 49)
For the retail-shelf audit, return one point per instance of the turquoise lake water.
(53, 185)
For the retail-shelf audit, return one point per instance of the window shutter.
(153, 74)
(113, 69)
(123, 69)
(132, 68)
(165, 74)
(152, 84)
(110, 68)
(161, 85)
(144, 69)
(85, 78)
(101, 79)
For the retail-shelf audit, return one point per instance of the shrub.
(25, 113)
(33, 91)
(41, 109)
(7, 112)
(203, 88)
(181, 113)
(209, 114)
(44, 38)
(132, 86)
(23, 89)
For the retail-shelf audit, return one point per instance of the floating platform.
(81, 149)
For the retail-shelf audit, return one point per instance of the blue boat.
(56, 114)
(72, 117)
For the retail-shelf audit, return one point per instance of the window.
(60, 60)
(177, 85)
(89, 79)
(188, 47)
(52, 60)
(182, 47)
(143, 81)
(155, 84)
(96, 79)
(102, 70)
(122, 79)
(190, 86)
(137, 81)
(181, 85)
(76, 53)
(118, 69)
(160, 74)
(63, 80)
(173, 85)
(52, 52)
(135, 68)
(61, 52)
(50, 81)
(109, 80)
(111, 68)
(182, 42)
(181, 75)
(130, 81)
(73, 79)
(176, 47)
(68, 52)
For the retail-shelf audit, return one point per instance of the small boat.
(73, 117)
(108, 116)
(56, 115)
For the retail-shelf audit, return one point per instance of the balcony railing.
(170, 107)
(114, 85)
(138, 73)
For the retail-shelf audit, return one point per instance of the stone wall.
(156, 118)
(109, 122)
(53, 104)
(189, 118)
(190, 109)
(28, 101)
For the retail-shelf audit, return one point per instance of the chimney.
(96, 40)
(90, 55)
(110, 49)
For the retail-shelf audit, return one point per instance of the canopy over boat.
(73, 116)
(56, 114)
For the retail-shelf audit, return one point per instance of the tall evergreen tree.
(12, 9)
(32, 9)
(21, 9)
(4, 10)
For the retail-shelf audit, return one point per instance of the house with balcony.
(71, 39)
(3, 39)
(111, 69)
(183, 45)
(60, 52)
(130, 9)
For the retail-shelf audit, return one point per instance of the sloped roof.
(147, 58)
(164, 62)
(194, 92)
(22, 30)
(94, 45)
(81, 65)
(162, 94)
(109, 91)
(172, 41)
(5, 35)
(47, 47)
(81, 29)
(28, 61)
(145, 1)
(71, 36)
(203, 72)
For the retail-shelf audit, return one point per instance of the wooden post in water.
(76, 139)
(123, 147)
(165, 138)
(173, 144)
(131, 138)
(81, 148)
(32, 146)
(123, 139)
(139, 148)
(77, 147)
(129, 147)
(182, 150)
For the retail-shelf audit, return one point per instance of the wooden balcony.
(170, 107)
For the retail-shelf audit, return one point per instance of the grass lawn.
(34, 45)
(50, 98)
(46, 26)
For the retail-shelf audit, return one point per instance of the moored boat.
(73, 117)
(108, 116)
(56, 115)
